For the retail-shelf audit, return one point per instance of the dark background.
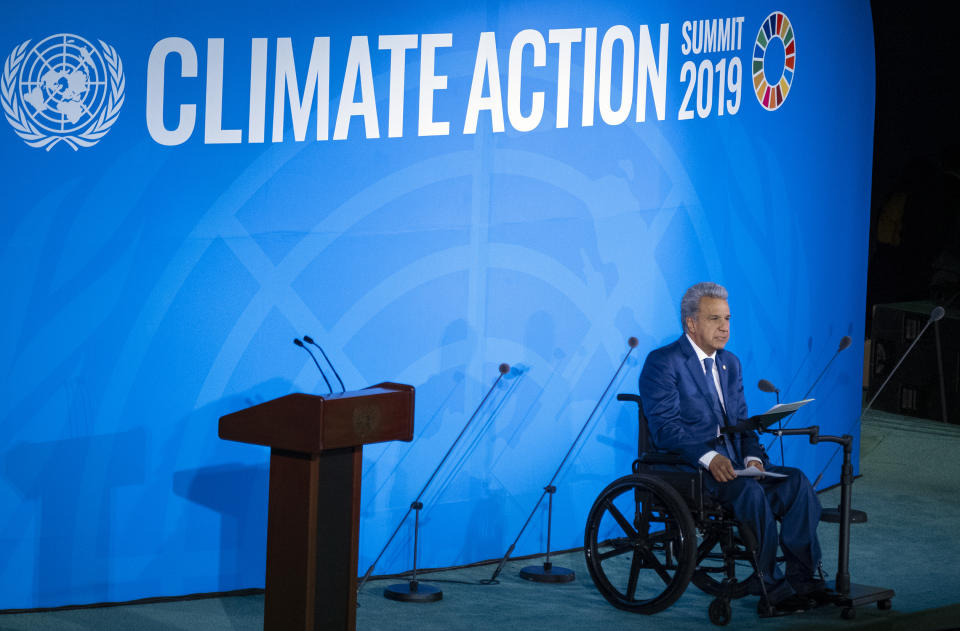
(915, 213)
(916, 171)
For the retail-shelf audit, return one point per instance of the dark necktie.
(724, 445)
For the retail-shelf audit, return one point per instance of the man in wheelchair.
(692, 388)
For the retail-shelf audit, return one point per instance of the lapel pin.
(724, 366)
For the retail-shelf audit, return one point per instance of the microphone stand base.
(413, 592)
(860, 595)
(553, 574)
(832, 515)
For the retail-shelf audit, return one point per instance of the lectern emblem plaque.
(366, 418)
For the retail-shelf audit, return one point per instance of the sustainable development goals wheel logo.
(64, 89)
(774, 61)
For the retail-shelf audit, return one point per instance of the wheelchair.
(651, 533)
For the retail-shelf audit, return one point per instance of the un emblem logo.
(64, 89)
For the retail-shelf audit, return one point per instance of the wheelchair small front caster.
(848, 613)
(720, 612)
(884, 604)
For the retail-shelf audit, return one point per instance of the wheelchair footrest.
(832, 515)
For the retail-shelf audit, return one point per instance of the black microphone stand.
(309, 340)
(845, 342)
(935, 315)
(315, 363)
(548, 572)
(414, 590)
(850, 595)
(766, 386)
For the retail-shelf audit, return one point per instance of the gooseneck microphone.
(844, 344)
(563, 574)
(935, 315)
(309, 340)
(766, 386)
(410, 591)
(297, 341)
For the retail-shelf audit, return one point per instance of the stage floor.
(910, 473)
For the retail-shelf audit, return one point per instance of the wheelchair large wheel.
(723, 555)
(640, 544)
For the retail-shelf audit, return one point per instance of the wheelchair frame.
(659, 514)
(674, 501)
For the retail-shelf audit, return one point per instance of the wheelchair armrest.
(660, 458)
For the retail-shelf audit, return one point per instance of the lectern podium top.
(312, 424)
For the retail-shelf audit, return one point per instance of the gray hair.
(690, 303)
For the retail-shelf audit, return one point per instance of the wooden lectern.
(313, 520)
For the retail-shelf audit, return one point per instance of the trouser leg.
(747, 498)
(795, 502)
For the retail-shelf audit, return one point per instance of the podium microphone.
(309, 340)
(935, 315)
(297, 341)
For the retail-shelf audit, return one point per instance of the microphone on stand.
(844, 344)
(297, 341)
(413, 591)
(936, 314)
(309, 340)
(549, 573)
(766, 386)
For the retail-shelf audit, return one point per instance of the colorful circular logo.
(774, 59)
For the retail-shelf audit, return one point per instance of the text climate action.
(643, 71)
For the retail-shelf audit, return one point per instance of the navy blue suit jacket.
(682, 414)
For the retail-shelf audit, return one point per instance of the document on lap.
(753, 472)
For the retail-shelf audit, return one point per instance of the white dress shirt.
(708, 457)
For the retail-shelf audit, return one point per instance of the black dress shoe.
(791, 604)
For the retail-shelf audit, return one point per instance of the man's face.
(710, 330)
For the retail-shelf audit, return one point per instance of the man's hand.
(722, 469)
(754, 462)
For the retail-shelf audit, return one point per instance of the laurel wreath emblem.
(17, 116)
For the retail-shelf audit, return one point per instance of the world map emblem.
(63, 89)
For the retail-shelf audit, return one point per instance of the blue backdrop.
(428, 191)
